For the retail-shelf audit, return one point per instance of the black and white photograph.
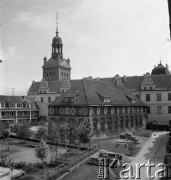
(85, 89)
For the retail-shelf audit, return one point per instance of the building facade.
(109, 108)
(55, 80)
(154, 90)
(15, 109)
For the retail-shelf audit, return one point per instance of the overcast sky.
(102, 38)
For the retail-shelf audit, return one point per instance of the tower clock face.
(51, 111)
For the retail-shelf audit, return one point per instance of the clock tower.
(56, 68)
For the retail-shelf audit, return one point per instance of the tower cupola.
(57, 45)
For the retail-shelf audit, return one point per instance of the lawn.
(21, 152)
(86, 172)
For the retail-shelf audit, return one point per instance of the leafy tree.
(24, 131)
(131, 147)
(85, 132)
(41, 151)
(64, 131)
(41, 133)
(4, 133)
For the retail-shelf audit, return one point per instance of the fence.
(61, 169)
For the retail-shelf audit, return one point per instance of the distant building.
(55, 80)
(154, 90)
(109, 108)
(15, 109)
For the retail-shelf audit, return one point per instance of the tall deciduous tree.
(64, 131)
(41, 151)
(4, 133)
(84, 132)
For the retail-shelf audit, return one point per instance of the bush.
(145, 133)
(20, 165)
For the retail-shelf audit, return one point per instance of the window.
(158, 97)
(159, 109)
(169, 109)
(49, 99)
(145, 88)
(67, 74)
(47, 74)
(151, 88)
(56, 97)
(50, 73)
(2, 105)
(148, 109)
(68, 99)
(53, 73)
(19, 104)
(106, 99)
(169, 96)
(41, 99)
(62, 73)
(137, 95)
(147, 97)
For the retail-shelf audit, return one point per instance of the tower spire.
(56, 24)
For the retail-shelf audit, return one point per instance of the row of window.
(64, 74)
(49, 99)
(159, 111)
(50, 74)
(150, 88)
(95, 110)
(17, 105)
(158, 97)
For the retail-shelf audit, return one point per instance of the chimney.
(33, 81)
(124, 78)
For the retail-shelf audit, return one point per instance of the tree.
(131, 147)
(41, 133)
(24, 131)
(4, 133)
(85, 132)
(64, 131)
(41, 151)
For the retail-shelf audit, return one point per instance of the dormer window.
(70, 97)
(104, 98)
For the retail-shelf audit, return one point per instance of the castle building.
(154, 90)
(16, 109)
(56, 77)
(109, 108)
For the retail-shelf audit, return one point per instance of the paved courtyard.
(154, 149)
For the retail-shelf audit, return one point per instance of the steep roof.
(55, 63)
(54, 86)
(162, 82)
(89, 91)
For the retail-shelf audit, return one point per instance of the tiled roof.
(4, 98)
(54, 86)
(54, 63)
(162, 82)
(89, 90)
